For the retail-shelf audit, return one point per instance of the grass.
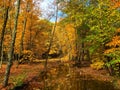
(18, 80)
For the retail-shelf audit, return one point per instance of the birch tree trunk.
(3, 30)
(10, 55)
(51, 39)
(23, 33)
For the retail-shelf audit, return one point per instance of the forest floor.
(31, 75)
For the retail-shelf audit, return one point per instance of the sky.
(48, 8)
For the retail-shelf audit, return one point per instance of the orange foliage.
(115, 4)
(36, 31)
(114, 44)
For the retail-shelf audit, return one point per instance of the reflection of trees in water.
(75, 80)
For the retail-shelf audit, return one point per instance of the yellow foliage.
(65, 58)
(53, 71)
(28, 52)
(28, 55)
(115, 41)
(110, 50)
(97, 65)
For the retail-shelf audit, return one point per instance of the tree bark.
(30, 38)
(7, 73)
(1, 56)
(51, 39)
(23, 33)
(3, 30)
(22, 38)
(82, 52)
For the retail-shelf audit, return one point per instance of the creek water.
(83, 83)
(68, 79)
(62, 77)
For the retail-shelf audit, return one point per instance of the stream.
(62, 77)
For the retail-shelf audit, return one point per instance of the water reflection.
(76, 81)
(81, 84)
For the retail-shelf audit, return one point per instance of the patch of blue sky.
(48, 11)
(45, 7)
(60, 15)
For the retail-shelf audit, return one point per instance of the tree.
(29, 14)
(112, 54)
(65, 41)
(102, 31)
(7, 73)
(23, 32)
(92, 35)
(77, 15)
(51, 39)
(3, 29)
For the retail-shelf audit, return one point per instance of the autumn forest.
(59, 44)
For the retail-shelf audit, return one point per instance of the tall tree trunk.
(82, 52)
(22, 39)
(3, 30)
(23, 33)
(7, 73)
(78, 49)
(88, 55)
(78, 62)
(51, 39)
(1, 56)
(30, 29)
